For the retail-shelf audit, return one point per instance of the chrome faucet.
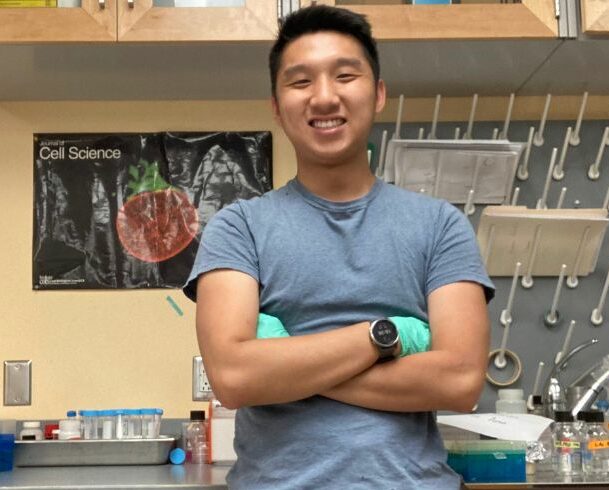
(553, 393)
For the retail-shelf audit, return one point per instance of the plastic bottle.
(511, 401)
(595, 451)
(566, 446)
(31, 432)
(70, 427)
(196, 443)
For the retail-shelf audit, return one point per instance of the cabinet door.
(476, 19)
(209, 20)
(595, 17)
(86, 20)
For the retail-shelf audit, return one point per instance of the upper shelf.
(595, 17)
(483, 55)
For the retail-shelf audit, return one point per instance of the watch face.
(385, 333)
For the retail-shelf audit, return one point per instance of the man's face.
(326, 98)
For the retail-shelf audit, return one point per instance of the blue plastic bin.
(7, 449)
(488, 461)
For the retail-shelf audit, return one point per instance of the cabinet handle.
(131, 3)
(102, 4)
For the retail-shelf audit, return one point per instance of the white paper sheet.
(512, 427)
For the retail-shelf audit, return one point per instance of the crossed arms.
(341, 363)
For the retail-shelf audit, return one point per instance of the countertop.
(167, 477)
(170, 477)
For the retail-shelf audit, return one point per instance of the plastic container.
(511, 401)
(7, 451)
(134, 423)
(121, 427)
(31, 431)
(148, 423)
(488, 461)
(107, 424)
(595, 450)
(196, 438)
(70, 427)
(158, 416)
(89, 424)
(566, 446)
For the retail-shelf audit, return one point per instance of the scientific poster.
(124, 211)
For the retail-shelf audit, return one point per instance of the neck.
(339, 183)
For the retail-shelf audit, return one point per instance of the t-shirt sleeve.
(455, 255)
(226, 243)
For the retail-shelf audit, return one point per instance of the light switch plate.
(201, 389)
(17, 383)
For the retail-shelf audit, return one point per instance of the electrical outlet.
(201, 389)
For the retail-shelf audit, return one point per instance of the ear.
(381, 94)
(275, 106)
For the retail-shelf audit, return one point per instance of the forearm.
(435, 380)
(267, 371)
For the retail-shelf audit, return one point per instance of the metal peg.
(470, 123)
(558, 173)
(421, 133)
(566, 343)
(523, 169)
(594, 169)
(538, 139)
(541, 203)
(503, 135)
(131, 3)
(527, 279)
(575, 139)
(597, 313)
(561, 198)
(457, 133)
(102, 4)
(572, 280)
(398, 119)
(552, 317)
(495, 134)
(380, 168)
(506, 314)
(515, 196)
(500, 361)
(434, 122)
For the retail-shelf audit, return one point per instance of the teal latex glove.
(270, 327)
(414, 333)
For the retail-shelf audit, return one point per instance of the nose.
(324, 96)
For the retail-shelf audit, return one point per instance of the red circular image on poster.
(158, 221)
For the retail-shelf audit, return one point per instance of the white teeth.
(327, 124)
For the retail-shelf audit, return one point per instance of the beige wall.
(129, 348)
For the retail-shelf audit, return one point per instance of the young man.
(328, 255)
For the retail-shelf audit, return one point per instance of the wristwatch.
(384, 336)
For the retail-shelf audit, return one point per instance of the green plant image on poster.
(116, 211)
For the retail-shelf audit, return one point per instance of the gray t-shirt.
(323, 265)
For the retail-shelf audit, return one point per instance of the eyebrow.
(338, 63)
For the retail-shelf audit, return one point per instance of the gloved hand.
(270, 327)
(414, 333)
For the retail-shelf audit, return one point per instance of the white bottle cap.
(511, 394)
(31, 425)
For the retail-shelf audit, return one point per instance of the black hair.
(319, 18)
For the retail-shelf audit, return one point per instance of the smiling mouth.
(327, 124)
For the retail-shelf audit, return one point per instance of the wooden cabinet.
(90, 22)
(595, 17)
(256, 20)
(531, 19)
